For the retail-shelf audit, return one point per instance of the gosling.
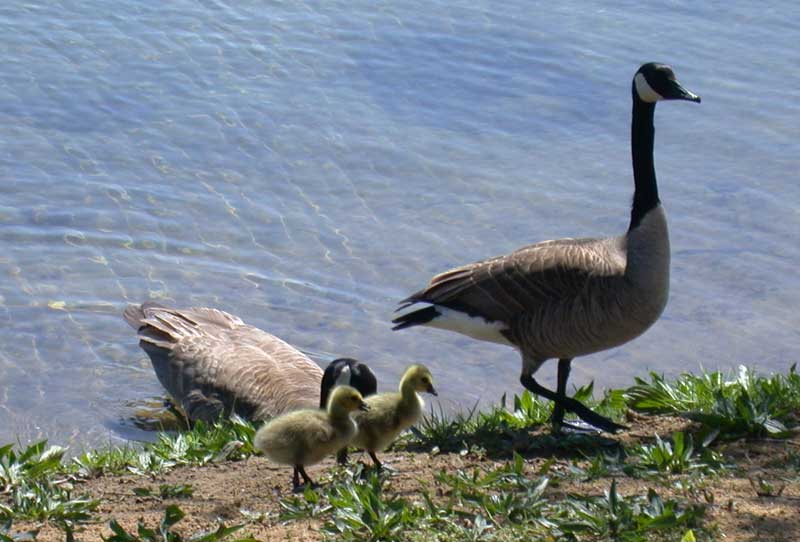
(390, 414)
(305, 437)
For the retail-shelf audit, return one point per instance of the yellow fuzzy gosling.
(305, 437)
(390, 414)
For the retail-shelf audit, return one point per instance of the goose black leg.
(564, 366)
(568, 403)
(295, 479)
(341, 457)
(378, 464)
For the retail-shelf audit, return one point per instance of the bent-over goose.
(212, 363)
(569, 297)
(350, 372)
(305, 437)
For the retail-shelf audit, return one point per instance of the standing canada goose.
(569, 297)
(305, 437)
(213, 363)
(390, 414)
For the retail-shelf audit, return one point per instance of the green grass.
(164, 531)
(36, 487)
(500, 431)
(502, 502)
(677, 457)
(745, 405)
(36, 483)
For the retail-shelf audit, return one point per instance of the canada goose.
(390, 414)
(350, 372)
(569, 297)
(305, 437)
(213, 363)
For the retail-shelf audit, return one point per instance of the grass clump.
(35, 488)
(501, 503)
(165, 533)
(361, 510)
(677, 457)
(500, 431)
(35, 462)
(628, 519)
(94, 463)
(745, 406)
(231, 439)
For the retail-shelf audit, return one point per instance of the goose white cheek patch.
(344, 378)
(645, 91)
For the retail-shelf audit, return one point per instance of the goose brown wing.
(206, 358)
(520, 282)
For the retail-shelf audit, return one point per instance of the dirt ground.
(222, 491)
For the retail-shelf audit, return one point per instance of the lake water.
(306, 165)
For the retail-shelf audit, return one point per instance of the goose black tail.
(416, 318)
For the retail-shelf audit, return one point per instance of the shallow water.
(307, 165)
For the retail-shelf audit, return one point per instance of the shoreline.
(498, 474)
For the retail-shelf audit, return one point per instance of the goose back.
(213, 363)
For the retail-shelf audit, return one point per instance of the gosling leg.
(341, 457)
(299, 470)
(568, 403)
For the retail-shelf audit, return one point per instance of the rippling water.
(307, 165)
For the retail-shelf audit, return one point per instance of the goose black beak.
(432, 391)
(364, 407)
(677, 92)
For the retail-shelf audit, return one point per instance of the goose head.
(418, 378)
(655, 81)
(347, 399)
(347, 372)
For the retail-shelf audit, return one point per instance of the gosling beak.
(363, 406)
(432, 391)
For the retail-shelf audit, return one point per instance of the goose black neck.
(645, 195)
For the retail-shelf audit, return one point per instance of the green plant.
(360, 511)
(47, 500)
(307, 505)
(748, 405)
(34, 462)
(226, 440)
(529, 410)
(601, 465)
(164, 532)
(107, 461)
(631, 519)
(677, 457)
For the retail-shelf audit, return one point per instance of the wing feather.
(505, 286)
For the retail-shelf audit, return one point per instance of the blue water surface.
(305, 165)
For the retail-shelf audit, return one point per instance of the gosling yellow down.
(390, 414)
(305, 437)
